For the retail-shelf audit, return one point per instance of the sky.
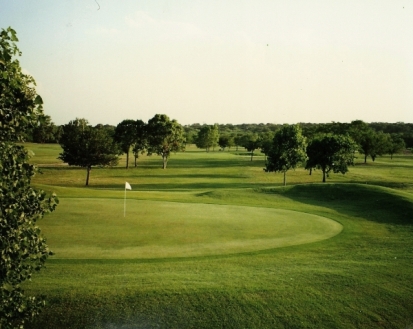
(218, 61)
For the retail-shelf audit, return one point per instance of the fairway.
(97, 229)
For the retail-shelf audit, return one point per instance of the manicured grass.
(96, 228)
(359, 278)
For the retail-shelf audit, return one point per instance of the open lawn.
(215, 242)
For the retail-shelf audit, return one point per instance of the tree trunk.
(311, 171)
(365, 158)
(252, 154)
(285, 179)
(127, 160)
(136, 159)
(165, 161)
(324, 176)
(88, 169)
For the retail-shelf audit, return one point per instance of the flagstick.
(124, 204)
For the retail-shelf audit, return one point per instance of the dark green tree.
(287, 151)
(266, 139)
(23, 249)
(201, 140)
(140, 143)
(164, 136)
(86, 146)
(331, 153)
(237, 140)
(125, 136)
(250, 142)
(225, 141)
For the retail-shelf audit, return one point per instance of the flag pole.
(127, 187)
(124, 204)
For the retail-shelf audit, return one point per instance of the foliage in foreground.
(22, 248)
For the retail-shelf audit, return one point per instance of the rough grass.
(360, 278)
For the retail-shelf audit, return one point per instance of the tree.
(140, 143)
(396, 144)
(331, 153)
(201, 140)
(86, 146)
(164, 136)
(225, 141)
(214, 136)
(250, 142)
(371, 143)
(288, 150)
(237, 141)
(45, 131)
(23, 249)
(208, 136)
(266, 142)
(125, 136)
(20, 105)
(381, 144)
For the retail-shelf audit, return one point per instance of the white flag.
(127, 186)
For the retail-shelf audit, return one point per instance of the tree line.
(47, 132)
(330, 148)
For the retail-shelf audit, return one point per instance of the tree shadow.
(169, 186)
(372, 203)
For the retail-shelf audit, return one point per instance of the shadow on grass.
(174, 163)
(381, 165)
(184, 186)
(369, 202)
(214, 163)
(393, 185)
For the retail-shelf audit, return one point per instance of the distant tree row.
(371, 143)
(400, 129)
(86, 146)
(47, 132)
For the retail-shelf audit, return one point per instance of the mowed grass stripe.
(97, 229)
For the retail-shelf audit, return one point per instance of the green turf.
(97, 228)
(359, 278)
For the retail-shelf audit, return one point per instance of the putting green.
(97, 229)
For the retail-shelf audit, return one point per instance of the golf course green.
(154, 229)
(215, 242)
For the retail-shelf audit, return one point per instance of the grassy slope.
(359, 279)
